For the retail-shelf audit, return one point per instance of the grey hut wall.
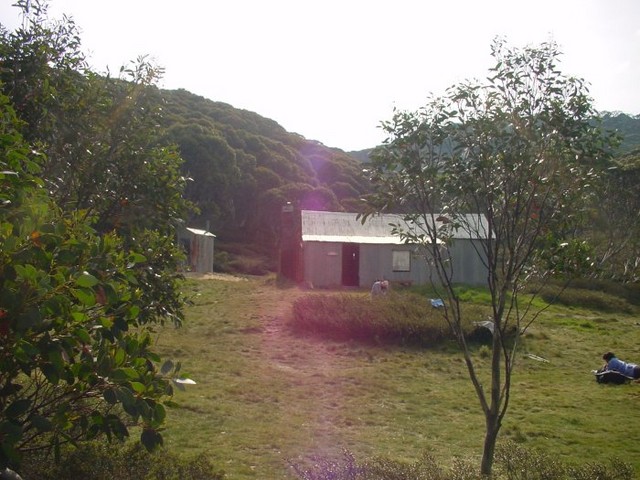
(467, 260)
(201, 257)
(322, 263)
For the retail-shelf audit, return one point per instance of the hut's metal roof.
(346, 228)
(196, 231)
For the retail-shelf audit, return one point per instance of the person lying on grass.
(630, 370)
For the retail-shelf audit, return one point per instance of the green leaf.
(166, 367)
(138, 387)
(86, 280)
(17, 408)
(131, 373)
(79, 317)
(110, 396)
(120, 356)
(133, 312)
(151, 439)
(85, 296)
(82, 335)
(51, 373)
(136, 258)
(160, 413)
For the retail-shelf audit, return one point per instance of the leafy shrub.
(615, 470)
(425, 468)
(512, 462)
(515, 462)
(395, 318)
(221, 262)
(328, 469)
(379, 468)
(95, 461)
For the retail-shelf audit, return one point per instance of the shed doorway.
(351, 264)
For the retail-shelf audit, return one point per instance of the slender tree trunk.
(490, 439)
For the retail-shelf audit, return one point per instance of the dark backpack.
(611, 376)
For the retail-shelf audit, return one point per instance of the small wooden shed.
(336, 249)
(199, 246)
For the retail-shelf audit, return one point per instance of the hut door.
(350, 264)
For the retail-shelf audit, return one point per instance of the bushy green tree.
(520, 150)
(76, 357)
(89, 201)
(100, 135)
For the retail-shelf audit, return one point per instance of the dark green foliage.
(93, 461)
(245, 167)
(627, 126)
(396, 318)
(242, 258)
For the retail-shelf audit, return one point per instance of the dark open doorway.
(350, 264)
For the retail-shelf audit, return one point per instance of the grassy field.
(266, 397)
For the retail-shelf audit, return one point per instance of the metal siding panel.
(321, 267)
(376, 263)
(468, 267)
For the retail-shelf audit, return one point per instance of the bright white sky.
(332, 70)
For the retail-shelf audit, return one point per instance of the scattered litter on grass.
(536, 357)
(437, 303)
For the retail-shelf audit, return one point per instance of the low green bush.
(99, 461)
(397, 318)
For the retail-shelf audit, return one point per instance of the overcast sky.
(332, 70)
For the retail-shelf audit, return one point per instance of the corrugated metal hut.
(337, 249)
(199, 246)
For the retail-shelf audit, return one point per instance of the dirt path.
(311, 364)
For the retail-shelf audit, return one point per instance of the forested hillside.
(244, 168)
(628, 126)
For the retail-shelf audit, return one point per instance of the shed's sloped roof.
(346, 228)
(197, 231)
